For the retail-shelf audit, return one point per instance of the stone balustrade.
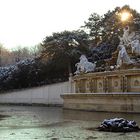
(107, 82)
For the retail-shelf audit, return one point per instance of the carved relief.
(88, 85)
(100, 85)
(105, 84)
(124, 81)
(136, 83)
(77, 86)
(116, 84)
(94, 85)
(91, 86)
(121, 83)
(82, 86)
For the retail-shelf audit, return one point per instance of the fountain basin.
(107, 102)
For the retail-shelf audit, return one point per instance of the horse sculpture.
(84, 66)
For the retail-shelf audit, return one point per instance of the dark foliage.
(65, 48)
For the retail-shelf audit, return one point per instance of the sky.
(27, 22)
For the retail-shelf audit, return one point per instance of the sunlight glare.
(125, 16)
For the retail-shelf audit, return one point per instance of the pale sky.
(28, 22)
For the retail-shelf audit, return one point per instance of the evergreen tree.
(64, 49)
(109, 27)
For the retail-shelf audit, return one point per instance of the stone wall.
(111, 102)
(49, 94)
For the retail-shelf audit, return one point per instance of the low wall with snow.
(49, 94)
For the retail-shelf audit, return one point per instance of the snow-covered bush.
(29, 73)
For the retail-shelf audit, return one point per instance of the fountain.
(116, 90)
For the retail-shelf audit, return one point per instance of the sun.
(125, 16)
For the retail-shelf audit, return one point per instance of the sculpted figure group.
(128, 39)
(84, 66)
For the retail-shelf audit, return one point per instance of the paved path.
(47, 123)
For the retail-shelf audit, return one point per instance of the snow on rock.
(118, 125)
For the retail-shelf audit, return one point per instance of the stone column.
(70, 82)
(125, 83)
(105, 84)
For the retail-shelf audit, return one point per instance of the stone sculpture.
(84, 65)
(135, 44)
(127, 37)
(123, 56)
(129, 47)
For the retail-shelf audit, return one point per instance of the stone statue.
(135, 44)
(127, 37)
(84, 65)
(123, 56)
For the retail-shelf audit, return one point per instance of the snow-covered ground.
(47, 123)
